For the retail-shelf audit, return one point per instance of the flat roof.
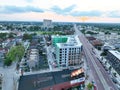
(59, 36)
(115, 53)
(73, 41)
(42, 80)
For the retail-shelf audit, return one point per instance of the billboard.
(79, 80)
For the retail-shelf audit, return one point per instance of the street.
(9, 77)
(101, 77)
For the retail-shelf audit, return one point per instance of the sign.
(77, 80)
(77, 72)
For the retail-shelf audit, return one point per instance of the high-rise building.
(47, 23)
(68, 50)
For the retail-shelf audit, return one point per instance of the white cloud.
(82, 5)
(108, 8)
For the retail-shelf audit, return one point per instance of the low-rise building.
(55, 80)
(114, 60)
(33, 58)
(97, 43)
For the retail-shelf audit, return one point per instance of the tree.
(114, 74)
(11, 35)
(0, 28)
(15, 53)
(10, 27)
(90, 32)
(107, 32)
(34, 34)
(27, 36)
(103, 53)
(83, 31)
(36, 28)
(89, 86)
(3, 35)
(7, 62)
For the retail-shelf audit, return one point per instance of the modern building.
(47, 23)
(68, 50)
(59, 39)
(114, 60)
(55, 80)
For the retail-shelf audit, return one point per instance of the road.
(9, 77)
(101, 77)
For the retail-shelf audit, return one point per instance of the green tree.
(34, 34)
(107, 32)
(3, 35)
(118, 33)
(15, 53)
(89, 86)
(11, 35)
(103, 53)
(83, 31)
(90, 32)
(27, 36)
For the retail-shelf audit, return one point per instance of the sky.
(61, 10)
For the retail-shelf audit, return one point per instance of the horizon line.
(57, 21)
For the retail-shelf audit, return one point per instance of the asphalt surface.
(101, 77)
(9, 77)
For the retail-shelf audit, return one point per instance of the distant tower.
(47, 23)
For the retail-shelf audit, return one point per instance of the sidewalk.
(88, 74)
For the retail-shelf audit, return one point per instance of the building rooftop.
(91, 38)
(96, 43)
(43, 80)
(58, 36)
(115, 53)
(72, 41)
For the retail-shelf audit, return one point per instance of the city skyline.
(62, 10)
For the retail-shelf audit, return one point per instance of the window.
(65, 51)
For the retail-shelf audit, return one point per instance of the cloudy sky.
(61, 10)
